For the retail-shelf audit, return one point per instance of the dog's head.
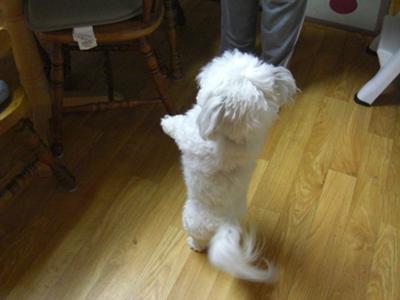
(238, 92)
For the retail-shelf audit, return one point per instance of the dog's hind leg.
(196, 244)
(198, 225)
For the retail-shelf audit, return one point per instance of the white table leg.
(373, 88)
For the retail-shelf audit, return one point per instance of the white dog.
(220, 138)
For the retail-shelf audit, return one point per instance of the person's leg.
(238, 24)
(281, 23)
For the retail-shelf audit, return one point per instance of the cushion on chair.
(50, 15)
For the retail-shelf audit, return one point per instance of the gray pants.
(281, 21)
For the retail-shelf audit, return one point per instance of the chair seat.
(50, 15)
(117, 32)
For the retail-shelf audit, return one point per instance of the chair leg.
(43, 154)
(109, 75)
(45, 58)
(180, 14)
(158, 78)
(176, 71)
(57, 86)
(67, 61)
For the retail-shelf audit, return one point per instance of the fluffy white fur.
(220, 138)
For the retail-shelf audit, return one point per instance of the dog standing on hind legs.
(220, 138)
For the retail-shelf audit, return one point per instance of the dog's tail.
(235, 251)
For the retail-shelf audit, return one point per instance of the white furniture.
(387, 47)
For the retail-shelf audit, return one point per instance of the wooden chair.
(28, 63)
(16, 116)
(115, 36)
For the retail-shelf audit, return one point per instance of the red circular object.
(343, 6)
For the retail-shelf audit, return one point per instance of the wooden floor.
(325, 194)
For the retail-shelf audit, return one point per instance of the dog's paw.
(167, 125)
(196, 245)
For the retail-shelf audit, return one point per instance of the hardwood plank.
(383, 120)
(197, 275)
(319, 258)
(162, 270)
(256, 179)
(350, 144)
(383, 282)
(366, 215)
(390, 191)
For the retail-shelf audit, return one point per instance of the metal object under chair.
(387, 47)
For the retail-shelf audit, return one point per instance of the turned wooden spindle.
(29, 64)
(176, 72)
(57, 82)
(158, 78)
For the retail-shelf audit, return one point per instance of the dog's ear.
(284, 86)
(277, 83)
(210, 117)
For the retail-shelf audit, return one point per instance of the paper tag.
(85, 37)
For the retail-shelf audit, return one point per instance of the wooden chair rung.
(112, 105)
